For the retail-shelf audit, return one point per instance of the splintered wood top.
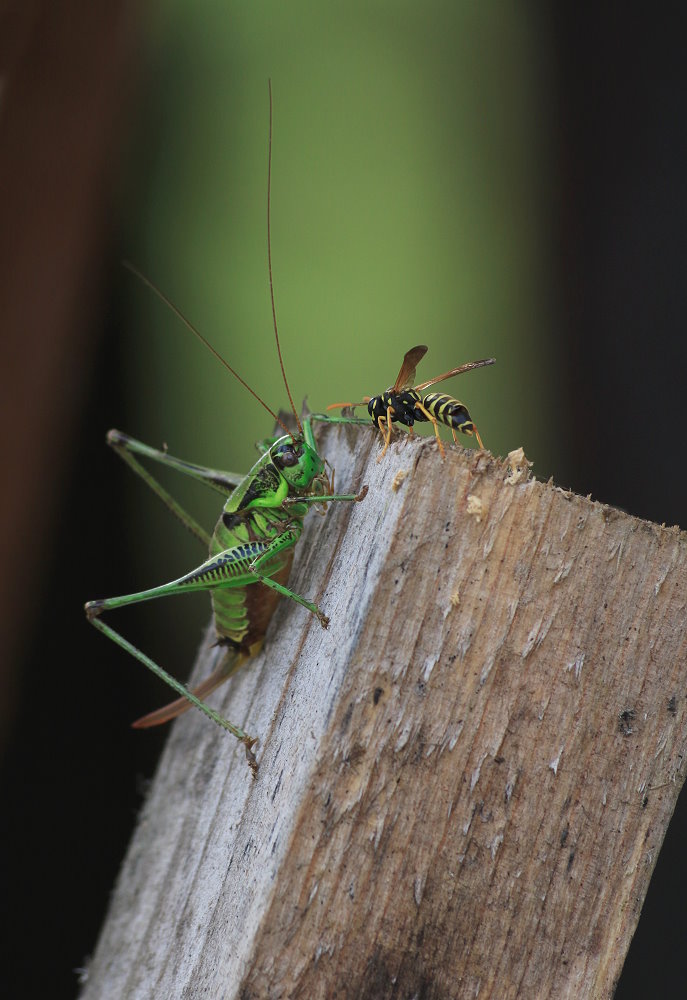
(464, 783)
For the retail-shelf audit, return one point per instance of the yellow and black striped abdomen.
(449, 411)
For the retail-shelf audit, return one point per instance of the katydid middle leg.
(223, 482)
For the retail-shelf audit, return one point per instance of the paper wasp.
(404, 403)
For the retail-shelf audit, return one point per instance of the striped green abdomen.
(242, 611)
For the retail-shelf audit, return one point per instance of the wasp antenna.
(269, 263)
(189, 326)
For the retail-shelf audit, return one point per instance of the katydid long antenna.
(189, 326)
(187, 323)
(269, 263)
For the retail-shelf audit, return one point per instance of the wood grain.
(464, 784)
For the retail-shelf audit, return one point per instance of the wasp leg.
(387, 435)
(430, 416)
(471, 432)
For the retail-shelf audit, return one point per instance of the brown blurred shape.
(61, 101)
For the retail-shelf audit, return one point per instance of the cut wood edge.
(473, 681)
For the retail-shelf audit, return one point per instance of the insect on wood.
(403, 402)
(251, 547)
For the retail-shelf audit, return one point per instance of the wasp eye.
(286, 456)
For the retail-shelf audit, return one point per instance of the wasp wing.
(467, 367)
(406, 376)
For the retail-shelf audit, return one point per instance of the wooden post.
(464, 783)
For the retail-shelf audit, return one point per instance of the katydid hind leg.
(200, 579)
(237, 731)
(225, 569)
(231, 662)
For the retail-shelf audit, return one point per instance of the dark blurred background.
(504, 179)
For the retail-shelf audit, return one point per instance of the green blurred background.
(492, 179)
(409, 163)
(408, 170)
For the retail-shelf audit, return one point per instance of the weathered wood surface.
(464, 784)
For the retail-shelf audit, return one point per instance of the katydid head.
(298, 463)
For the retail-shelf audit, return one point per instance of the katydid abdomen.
(241, 613)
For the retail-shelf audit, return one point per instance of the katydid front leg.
(328, 418)
(326, 497)
(289, 537)
(286, 539)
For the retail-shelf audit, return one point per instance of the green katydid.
(251, 547)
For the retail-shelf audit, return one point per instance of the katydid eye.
(286, 456)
